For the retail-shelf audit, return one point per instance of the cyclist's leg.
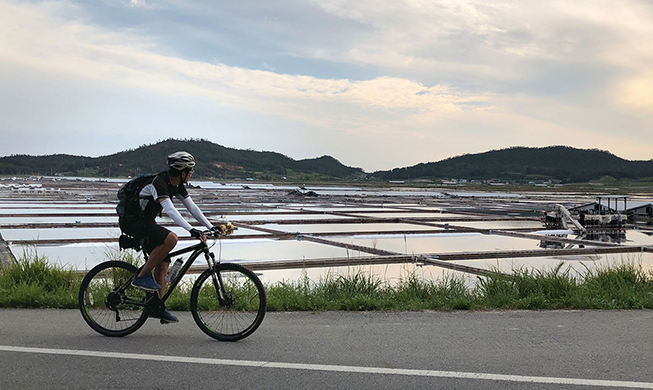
(159, 262)
(161, 242)
(160, 272)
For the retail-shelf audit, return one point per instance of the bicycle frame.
(197, 249)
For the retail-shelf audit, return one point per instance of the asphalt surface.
(55, 349)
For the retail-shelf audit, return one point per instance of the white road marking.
(334, 368)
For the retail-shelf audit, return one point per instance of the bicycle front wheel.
(109, 303)
(228, 302)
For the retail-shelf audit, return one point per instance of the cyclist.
(156, 196)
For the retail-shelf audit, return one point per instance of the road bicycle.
(228, 301)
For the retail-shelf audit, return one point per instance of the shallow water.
(52, 210)
(407, 215)
(499, 225)
(348, 227)
(441, 243)
(297, 215)
(59, 220)
(86, 255)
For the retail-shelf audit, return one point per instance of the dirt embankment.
(6, 257)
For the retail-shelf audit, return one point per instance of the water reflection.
(500, 225)
(409, 215)
(71, 211)
(16, 235)
(348, 227)
(297, 215)
(441, 243)
(83, 256)
(86, 255)
(614, 237)
(57, 220)
(61, 234)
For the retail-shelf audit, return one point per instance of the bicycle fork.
(218, 283)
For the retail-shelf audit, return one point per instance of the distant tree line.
(554, 162)
(213, 160)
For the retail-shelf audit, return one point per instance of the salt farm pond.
(75, 225)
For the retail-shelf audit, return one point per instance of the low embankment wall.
(6, 257)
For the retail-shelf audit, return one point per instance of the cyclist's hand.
(198, 234)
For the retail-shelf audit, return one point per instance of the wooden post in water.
(6, 257)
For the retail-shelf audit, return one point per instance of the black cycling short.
(144, 227)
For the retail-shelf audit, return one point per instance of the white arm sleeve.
(172, 212)
(196, 212)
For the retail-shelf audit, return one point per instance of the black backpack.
(129, 205)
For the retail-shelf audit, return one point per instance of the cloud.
(141, 4)
(509, 41)
(636, 92)
(40, 40)
(531, 29)
(416, 81)
(515, 30)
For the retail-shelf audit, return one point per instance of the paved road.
(54, 349)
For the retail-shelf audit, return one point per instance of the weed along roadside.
(33, 282)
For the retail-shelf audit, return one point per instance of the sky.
(377, 84)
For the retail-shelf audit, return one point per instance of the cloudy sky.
(375, 83)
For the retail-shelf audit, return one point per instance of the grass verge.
(33, 282)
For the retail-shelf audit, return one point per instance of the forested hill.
(213, 161)
(554, 162)
(216, 161)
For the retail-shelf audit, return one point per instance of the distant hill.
(215, 161)
(554, 162)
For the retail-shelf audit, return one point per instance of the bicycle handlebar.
(223, 230)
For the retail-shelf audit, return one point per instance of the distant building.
(641, 209)
(611, 204)
(591, 208)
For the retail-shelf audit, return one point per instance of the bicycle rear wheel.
(228, 302)
(109, 303)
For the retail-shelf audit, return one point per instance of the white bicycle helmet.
(181, 161)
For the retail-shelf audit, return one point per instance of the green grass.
(33, 282)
